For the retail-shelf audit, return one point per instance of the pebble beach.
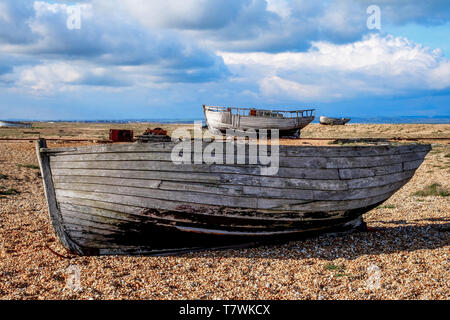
(405, 254)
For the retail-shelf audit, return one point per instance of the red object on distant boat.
(117, 135)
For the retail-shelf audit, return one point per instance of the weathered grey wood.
(54, 214)
(289, 162)
(134, 174)
(356, 173)
(294, 151)
(292, 183)
(142, 183)
(234, 177)
(317, 206)
(267, 204)
(244, 233)
(412, 165)
(91, 238)
(148, 251)
(224, 181)
(97, 214)
(115, 178)
(76, 222)
(101, 213)
(131, 211)
(103, 193)
(61, 175)
(196, 168)
(229, 195)
(190, 197)
(191, 191)
(380, 180)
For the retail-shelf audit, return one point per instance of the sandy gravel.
(404, 256)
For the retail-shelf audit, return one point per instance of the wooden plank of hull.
(134, 178)
(220, 214)
(144, 232)
(289, 162)
(215, 215)
(314, 165)
(86, 222)
(293, 151)
(135, 174)
(245, 196)
(229, 174)
(197, 168)
(272, 123)
(111, 215)
(358, 173)
(222, 185)
(95, 235)
(412, 165)
(261, 204)
(195, 211)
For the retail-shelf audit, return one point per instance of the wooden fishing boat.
(132, 199)
(15, 124)
(289, 123)
(333, 121)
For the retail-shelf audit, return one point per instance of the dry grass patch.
(434, 189)
(386, 206)
(338, 269)
(8, 192)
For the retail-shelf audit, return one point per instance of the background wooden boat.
(131, 199)
(333, 121)
(219, 119)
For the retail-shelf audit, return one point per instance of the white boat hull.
(14, 124)
(219, 122)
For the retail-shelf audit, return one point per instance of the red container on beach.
(117, 135)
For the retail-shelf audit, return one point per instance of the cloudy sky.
(157, 59)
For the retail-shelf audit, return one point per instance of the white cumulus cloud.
(375, 65)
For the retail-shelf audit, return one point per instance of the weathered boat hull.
(333, 121)
(220, 121)
(131, 199)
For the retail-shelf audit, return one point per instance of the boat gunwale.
(282, 148)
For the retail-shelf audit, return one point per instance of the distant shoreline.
(354, 120)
